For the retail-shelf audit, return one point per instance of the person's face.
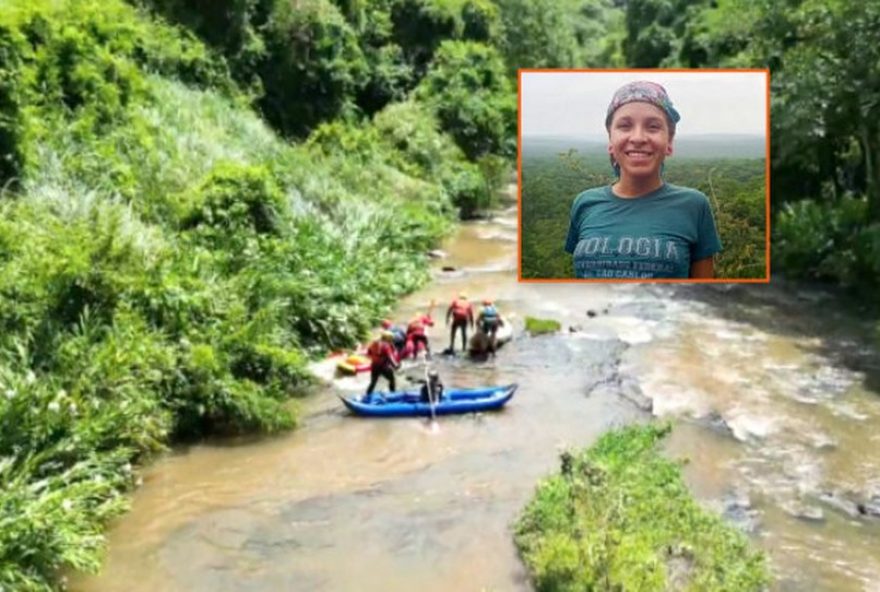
(639, 139)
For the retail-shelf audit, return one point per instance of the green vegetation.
(541, 326)
(825, 109)
(561, 33)
(169, 263)
(170, 260)
(735, 188)
(619, 517)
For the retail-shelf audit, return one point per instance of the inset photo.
(644, 175)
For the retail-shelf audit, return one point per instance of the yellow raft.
(353, 364)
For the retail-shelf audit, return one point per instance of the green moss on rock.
(541, 326)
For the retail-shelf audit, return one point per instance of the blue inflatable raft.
(409, 403)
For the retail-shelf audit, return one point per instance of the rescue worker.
(383, 362)
(489, 320)
(416, 336)
(462, 314)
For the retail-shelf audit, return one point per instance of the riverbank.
(619, 516)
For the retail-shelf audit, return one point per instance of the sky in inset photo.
(568, 103)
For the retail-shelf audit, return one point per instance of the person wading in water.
(462, 314)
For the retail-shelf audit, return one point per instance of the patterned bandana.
(643, 92)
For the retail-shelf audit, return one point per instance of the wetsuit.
(415, 334)
(384, 360)
(462, 314)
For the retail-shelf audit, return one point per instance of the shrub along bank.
(619, 517)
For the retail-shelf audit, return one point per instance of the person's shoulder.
(686, 192)
(593, 194)
(687, 195)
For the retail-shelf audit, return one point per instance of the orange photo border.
(764, 280)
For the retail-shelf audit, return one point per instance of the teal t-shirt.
(657, 235)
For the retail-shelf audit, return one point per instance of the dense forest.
(198, 196)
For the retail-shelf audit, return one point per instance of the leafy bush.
(66, 511)
(469, 91)
(424, 152)
(230, 26)
(561, 33)
(12, 48)
(233, 206)
(618, 516)
(421, 26)
(829, 241)
(209, 400)
(313, 66)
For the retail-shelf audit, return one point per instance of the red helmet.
(386, 324)
(487, 302)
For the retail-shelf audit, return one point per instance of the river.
(774, 391)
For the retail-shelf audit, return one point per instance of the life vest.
(381, 353)
(490, 314)
(417, 325)
(461, 309)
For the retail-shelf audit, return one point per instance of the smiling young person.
(641, 226)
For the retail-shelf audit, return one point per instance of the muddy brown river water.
(773, 392)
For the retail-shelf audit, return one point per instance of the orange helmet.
(487, 302)
(386, 324)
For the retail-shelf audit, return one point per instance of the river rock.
(822, 442)
(605, 375)
(591, 313)
(872, 506)
(679, 569)
(575, 328)
(448, 268)
(804, 512)
(738, 510)
(837, 501)
(716, 422)
(437, 254)
(637, 398)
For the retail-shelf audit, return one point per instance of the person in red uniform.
(383, 362)
(415, 335)
(462, 314)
